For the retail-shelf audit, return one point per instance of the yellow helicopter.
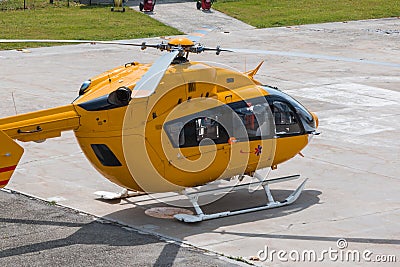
(172, 125)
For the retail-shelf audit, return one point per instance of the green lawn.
(45, 21)
(77, 22)
(274, 13)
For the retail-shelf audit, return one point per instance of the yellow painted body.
(136, 136)
(10, 154)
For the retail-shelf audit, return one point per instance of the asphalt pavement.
(39, 233)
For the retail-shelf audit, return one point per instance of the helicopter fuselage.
(160, 142)
(203, 123)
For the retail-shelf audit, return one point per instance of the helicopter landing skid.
(125, 193)
(271, 203)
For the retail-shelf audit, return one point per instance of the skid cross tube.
(228, 189)
(271, 203)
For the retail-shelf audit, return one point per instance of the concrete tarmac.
(351, 80)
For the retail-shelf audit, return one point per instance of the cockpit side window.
(256, 119)
(306, 120)
(286, 121)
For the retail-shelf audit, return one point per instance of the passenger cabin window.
(201, 129)
(286, 122)
(206, 128)
(244, 120)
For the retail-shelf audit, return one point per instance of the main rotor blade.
(150, 80)
(306, 55)
(67, 41)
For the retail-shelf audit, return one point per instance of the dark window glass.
(198, 130)
(243, 120)
(306, 119)
(255, 116)
(105, 155)
(285, 119)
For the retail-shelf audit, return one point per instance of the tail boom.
(34, 126)
(40, 125)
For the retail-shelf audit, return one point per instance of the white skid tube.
(271, 203)
(125, 193)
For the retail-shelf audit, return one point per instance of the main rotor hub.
(183, 45)
(181, 41)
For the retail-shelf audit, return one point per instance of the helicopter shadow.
(36, 235)
(240, 199)
(98, 234)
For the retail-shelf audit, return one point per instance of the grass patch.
(77, 22)
(275, 13)
(57, 21)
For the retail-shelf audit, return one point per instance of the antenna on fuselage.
(15, 106)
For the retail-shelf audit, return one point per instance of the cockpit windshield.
(305, 116)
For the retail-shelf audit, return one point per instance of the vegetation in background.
(42, 20)
(57, 21)
(31, 4)
(275, 13)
